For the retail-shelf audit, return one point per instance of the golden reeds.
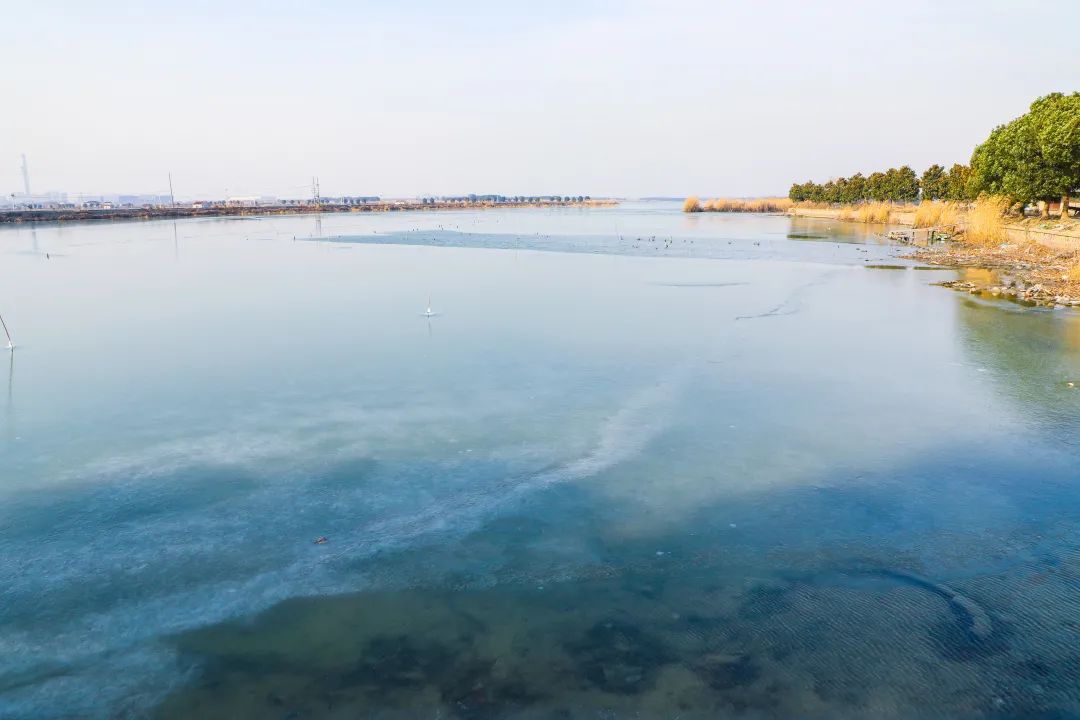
(873, 213)
(750, 205)
(986, 221)
(936, 213)
(1073, 275)
(692, 204)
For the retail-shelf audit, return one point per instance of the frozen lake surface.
(639, 464)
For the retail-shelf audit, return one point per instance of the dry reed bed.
(1028, 270)
(737, 205)
(868, 212)
(938, 214)
(871, 212)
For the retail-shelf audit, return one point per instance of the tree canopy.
(934, 183)
(1034, 157)
(893, 185)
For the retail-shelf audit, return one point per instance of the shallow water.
(640, 464)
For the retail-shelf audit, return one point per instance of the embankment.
(903, 216)
(1064, 238)
(165, 213)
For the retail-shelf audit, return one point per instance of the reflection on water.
(640, 465)
(1033, 356)
(803, 228)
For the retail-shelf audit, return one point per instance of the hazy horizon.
(610, 99)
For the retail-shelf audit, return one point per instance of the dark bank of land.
(174, 212)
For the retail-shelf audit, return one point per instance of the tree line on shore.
(893, 185)
(1032, 159)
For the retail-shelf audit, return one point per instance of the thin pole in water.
(10, 344)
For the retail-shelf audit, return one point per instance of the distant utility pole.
(25, 175)
(315, 198)
(172, 198)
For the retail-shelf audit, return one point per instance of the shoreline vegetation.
(993, 213)
(738, 205)
(1032, 162)
(999, 257)
(179, 211)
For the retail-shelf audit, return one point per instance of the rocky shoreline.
(1028, 273)
(1036, 295)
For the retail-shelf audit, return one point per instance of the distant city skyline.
(413, 99)
(137, 198)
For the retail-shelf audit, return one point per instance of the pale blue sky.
(630, 98)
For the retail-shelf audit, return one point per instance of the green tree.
(876, 187)
(839, 190)
(907, 185)
(989, 161)
(934, 183)
(808, 190)
(1034, 157)
(1008, 163)
(830, 193)
(900, 185)
(1055, 125)
(958, 183)
(854, 189)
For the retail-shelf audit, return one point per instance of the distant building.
(472, 198)
(142, 200)
(351, 200)
(252, 201)
(340, 200)
(37, 201)
(123, 200)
